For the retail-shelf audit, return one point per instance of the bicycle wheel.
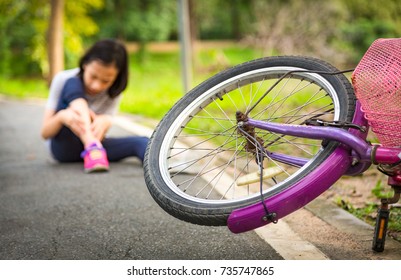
(198, 165)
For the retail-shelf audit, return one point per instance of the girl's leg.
(66, 146)
(73, 96)
(80, 105)
(121, 148)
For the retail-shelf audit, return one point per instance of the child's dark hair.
(109, 51)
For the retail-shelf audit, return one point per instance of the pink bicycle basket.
(377, 84)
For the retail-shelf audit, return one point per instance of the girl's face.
(98, 77)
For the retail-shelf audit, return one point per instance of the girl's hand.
(100, 125)
(73, 120)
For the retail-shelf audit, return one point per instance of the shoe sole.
(97, 168)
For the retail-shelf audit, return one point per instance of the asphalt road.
(55, 211)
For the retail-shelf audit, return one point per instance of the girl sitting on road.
(80, 107)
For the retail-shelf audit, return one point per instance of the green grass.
(24, 87)
(155, 83)
(368, 212)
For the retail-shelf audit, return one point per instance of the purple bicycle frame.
(353, 148)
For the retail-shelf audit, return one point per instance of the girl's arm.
(53, 122)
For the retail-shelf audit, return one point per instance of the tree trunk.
(55, 38)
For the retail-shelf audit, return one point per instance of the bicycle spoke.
(210, 148)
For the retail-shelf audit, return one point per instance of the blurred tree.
(55, 38)
(366, 22)
(137, 20)
(17, 42)
(78, 26)
(24, 25)
(9, 10)
(297, 27)
(222, 19)
(337, 30)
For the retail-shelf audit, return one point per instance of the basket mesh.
(377, 85)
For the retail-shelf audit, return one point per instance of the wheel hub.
(248, 132)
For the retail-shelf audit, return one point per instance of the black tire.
(196, 148)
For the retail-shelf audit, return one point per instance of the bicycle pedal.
(380, 230)
(255, 176)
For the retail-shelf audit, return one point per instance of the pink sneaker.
(95, 159)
